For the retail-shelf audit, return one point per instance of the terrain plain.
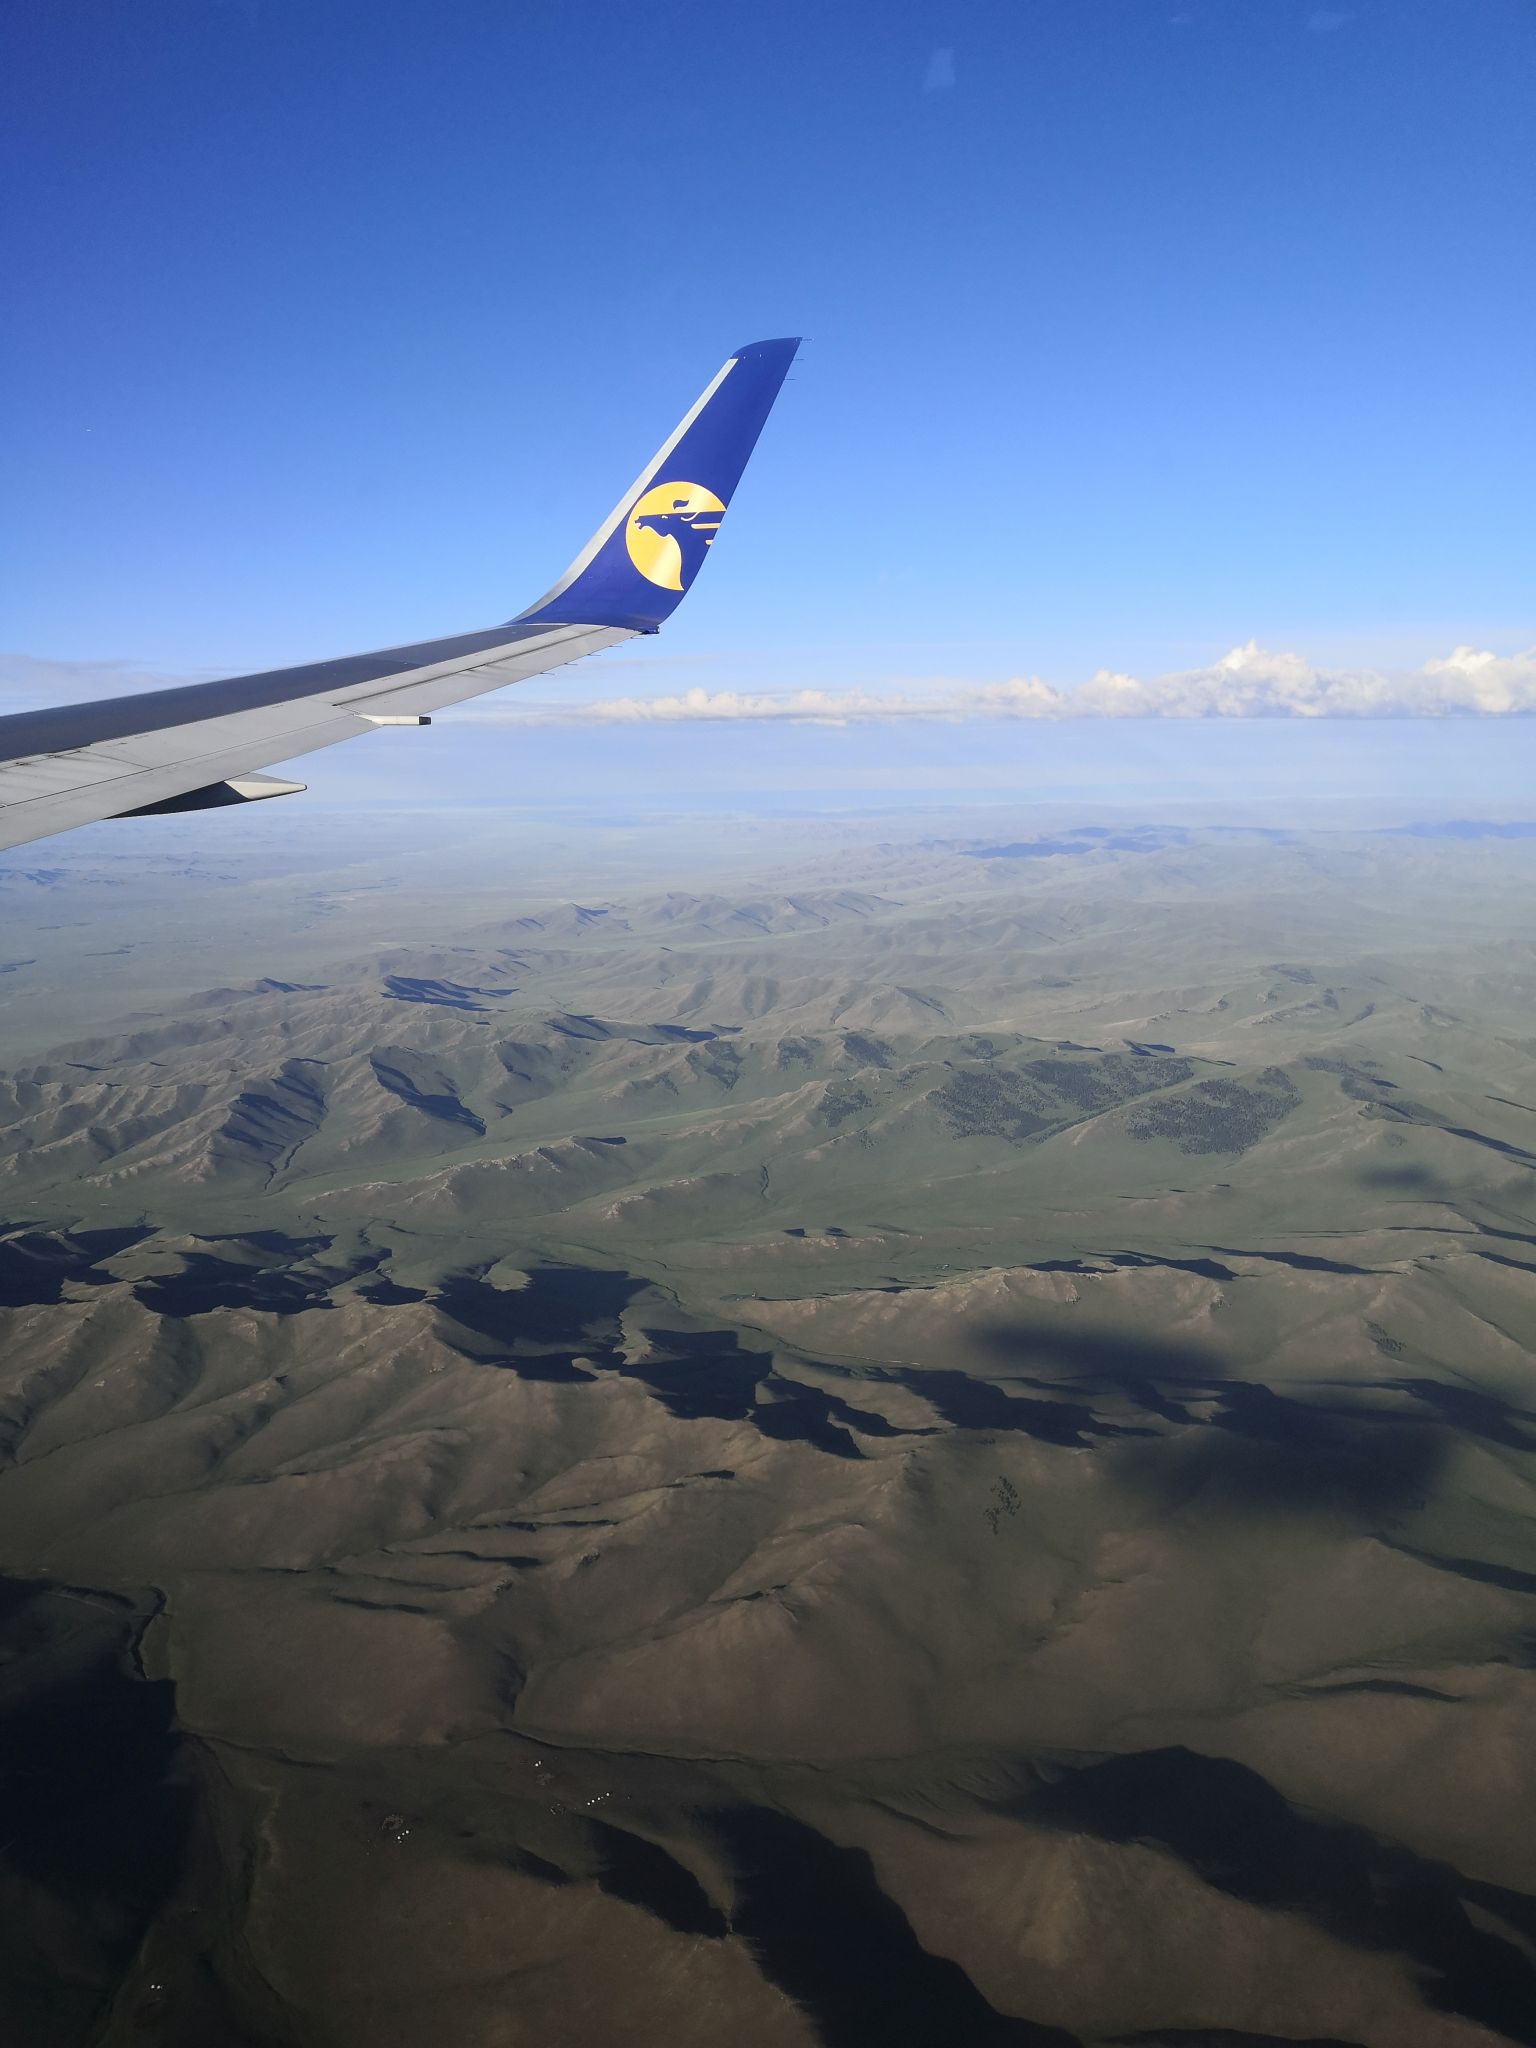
(826, 1430)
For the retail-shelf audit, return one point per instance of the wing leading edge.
(196, 746)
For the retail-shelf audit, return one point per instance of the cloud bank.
(1247, 683)
(1250, 682)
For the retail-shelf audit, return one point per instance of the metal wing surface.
(199, 746)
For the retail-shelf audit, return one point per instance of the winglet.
(636, 567)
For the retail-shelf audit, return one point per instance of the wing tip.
(783, 345)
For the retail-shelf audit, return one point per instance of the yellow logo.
(669, 528)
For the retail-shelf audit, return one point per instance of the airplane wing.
(197, 747)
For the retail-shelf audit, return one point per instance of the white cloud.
(1249, 682)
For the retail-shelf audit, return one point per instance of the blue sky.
(1136, 327)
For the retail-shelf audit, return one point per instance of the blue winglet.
(635, 569)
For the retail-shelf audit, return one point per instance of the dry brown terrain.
(803, 1435)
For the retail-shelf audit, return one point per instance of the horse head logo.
(670, 526)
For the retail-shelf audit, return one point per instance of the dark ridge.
(567, 1314)
(106, 1244)
(1476, 1413)
(1207, 1269)
(575, 1025)
(539, 1330)
(641, 1873)
(1024, 849)
(291, 988)
(717, 1376)
(15, 966)
(382, 1606)
(684, 1036)
(1235, 1831)
(1423, 1118)
(1204, 1269)
(602, 1141)
(35, 1265)
(583, 914)
(714, 1376)
(508, 1560)
(1301, 1262)
(1145, 839)
(915, 995)
(545, 1365)
(1493, 1144)
(580, 1027)
(1504, 1576)
(804, 1418)
(390, 1294)
(555, 1299)
(271, 1119)
(1484, 1230)
(1503, 1259)
(1150, 1397)
(525, 1861)
(1144, 1048)
(205, 1283)
(447, 995)
(862, 1419)
(1399, 1688)
(823, 1931)
(272, 1242)
(1351, 1072)
(426, 1088)
(978, 1404)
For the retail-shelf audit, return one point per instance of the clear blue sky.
(1165, 323)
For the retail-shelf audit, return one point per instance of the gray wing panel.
(79, 763)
